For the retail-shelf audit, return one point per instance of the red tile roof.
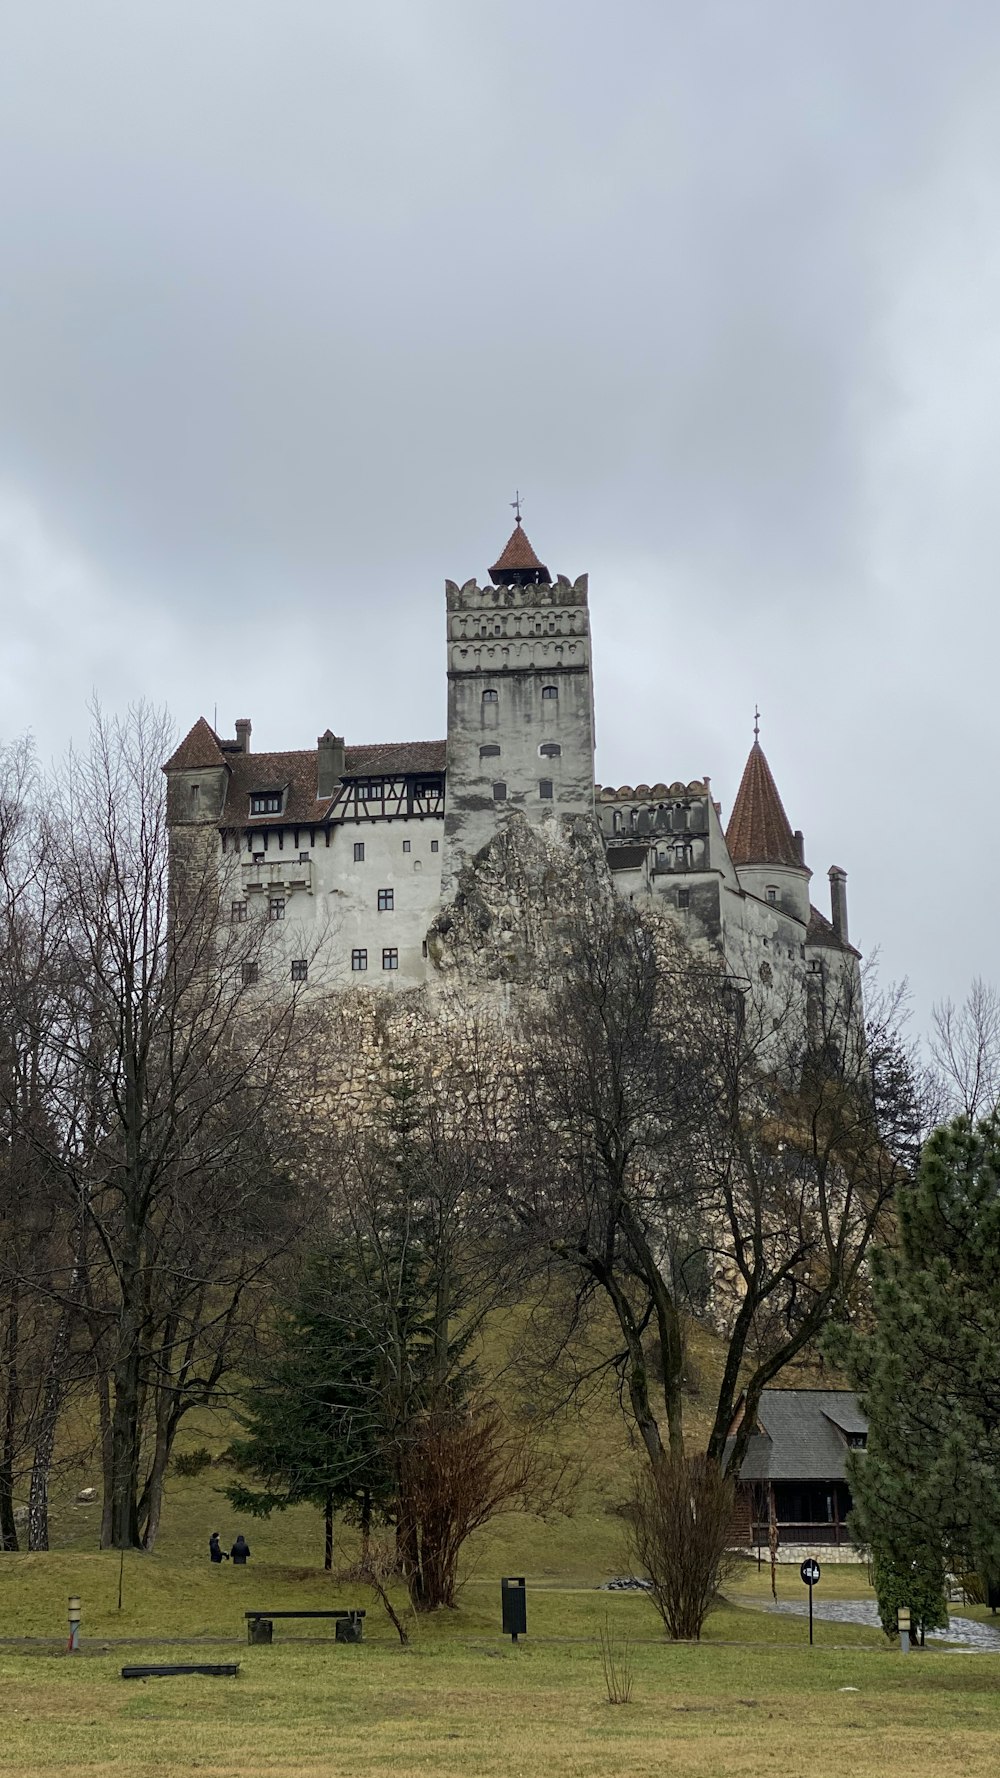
(200, 747)
(759, 831)
(518, 557)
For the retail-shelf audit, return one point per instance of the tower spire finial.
(516, 504)
(756, 722)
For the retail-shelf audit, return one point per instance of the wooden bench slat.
(260, 1614)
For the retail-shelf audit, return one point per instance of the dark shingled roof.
(821, 932)
(759, 831)
(801, 1435)
(296, 774)
(200, 747)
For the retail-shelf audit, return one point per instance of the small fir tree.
(312, 1423)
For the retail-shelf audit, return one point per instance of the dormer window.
(265, 802)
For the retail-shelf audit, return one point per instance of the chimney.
(838, 901)
(800, 845)
(243, 727)
(331, 763)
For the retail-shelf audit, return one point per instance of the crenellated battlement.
(471, 597)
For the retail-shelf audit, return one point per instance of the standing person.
(240, 1552)
(215, 1552)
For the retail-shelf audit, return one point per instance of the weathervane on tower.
(516, 504)
(756, 722)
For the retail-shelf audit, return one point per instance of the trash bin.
(348, 1629)
(514, 1606)
(260, 1631)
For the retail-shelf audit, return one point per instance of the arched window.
(499, 793)
(550, 691)
(633, 819)
(617, 821)
(490, 696)
(550, 750)
(490, 751)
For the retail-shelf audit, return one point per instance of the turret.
(769, 858)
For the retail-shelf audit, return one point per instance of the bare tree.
(691, 1150)
(965, 1050)
(166, 1129)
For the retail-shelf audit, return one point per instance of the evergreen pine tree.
(927, 1490)
(312, 1421)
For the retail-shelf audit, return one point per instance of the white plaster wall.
(339, 911)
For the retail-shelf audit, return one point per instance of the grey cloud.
(292, 297)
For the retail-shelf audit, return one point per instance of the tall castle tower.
(520, 702)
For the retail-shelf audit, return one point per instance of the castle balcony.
(277, 873)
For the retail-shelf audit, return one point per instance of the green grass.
(751, 1699)
(477, 1707)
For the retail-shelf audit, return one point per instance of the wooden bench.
(215, 1669)
(351, 1620)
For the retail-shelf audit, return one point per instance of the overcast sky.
(294, 293)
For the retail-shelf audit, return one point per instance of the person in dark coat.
(215, 1552)
(240, 1551)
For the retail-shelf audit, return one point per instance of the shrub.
(189, 1463)
(680, 1530)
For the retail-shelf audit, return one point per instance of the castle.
(352, 853)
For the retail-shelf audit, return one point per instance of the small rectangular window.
(771, 894)
(407, 847)
(683, 898)
(390, 959)
(300, 969)
(359, 851)
(276, 907)
(499, 793)
(435, 846)
(258, 858)
(251, 974)
(359, 959)
(303, 858)
(385, 901)
(238, 911)
(545, 789)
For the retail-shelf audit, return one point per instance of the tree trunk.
(41, 1467)
(104, 1422)
(125, 1435)
(151, 1505)
(8, 1528)
(366, 1525)
(328, 1531)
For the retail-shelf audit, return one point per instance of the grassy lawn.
(469, 1706)
(752, 1698)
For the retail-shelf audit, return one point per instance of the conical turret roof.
(518, 564)
(759, 831)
